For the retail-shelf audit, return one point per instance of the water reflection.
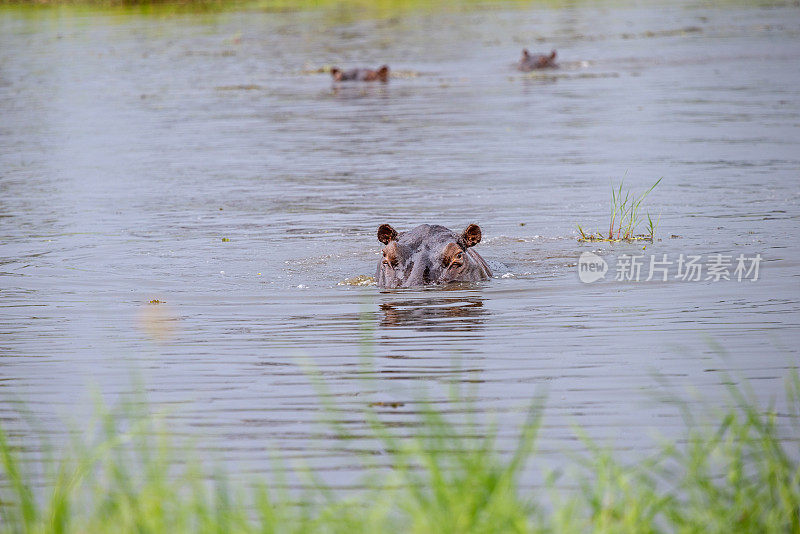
(457, 313)
(359, 90)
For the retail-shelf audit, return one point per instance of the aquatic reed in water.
(740, 475)
(625, 218)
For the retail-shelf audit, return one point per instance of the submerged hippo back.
(429, 254)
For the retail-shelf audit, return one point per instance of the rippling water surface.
(199, 161)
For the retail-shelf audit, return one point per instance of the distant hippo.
(361, 75)
(429, 254)
(531, 62)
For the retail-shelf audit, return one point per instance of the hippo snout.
(429, 254)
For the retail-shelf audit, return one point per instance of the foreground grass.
(739, 475)
(366, 7)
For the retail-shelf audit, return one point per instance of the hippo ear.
(552, 54)
(525, 53)
(386, 234)
(470, 237)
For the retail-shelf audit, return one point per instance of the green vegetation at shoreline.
(367, 7)
(740, 475)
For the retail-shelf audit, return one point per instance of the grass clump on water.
(625, 218)
(740, 474)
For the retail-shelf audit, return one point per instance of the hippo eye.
(387, 261)
(458, 260)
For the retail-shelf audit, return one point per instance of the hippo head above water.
(530, 62)
(429, 254)
(361, 75)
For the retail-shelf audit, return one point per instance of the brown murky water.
(194, 160)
